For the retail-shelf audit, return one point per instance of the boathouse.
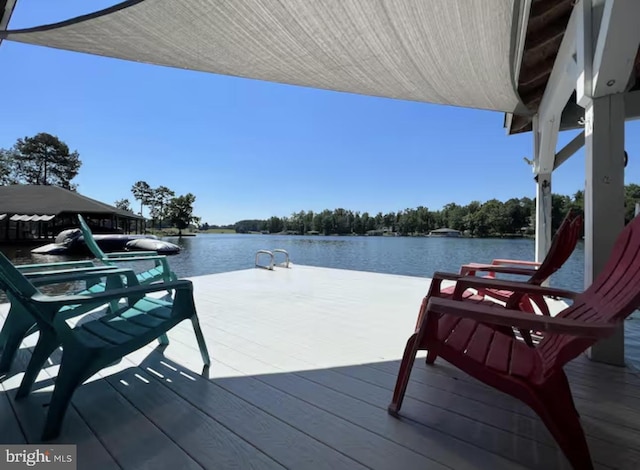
(445, 232)
(306, 358)
(35, 212)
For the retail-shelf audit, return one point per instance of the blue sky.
(251, 149)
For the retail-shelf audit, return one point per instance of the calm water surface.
(213, 253)
(420, 256)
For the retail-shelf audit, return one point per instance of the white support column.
(543, 215)
(607, 43)
(543, 196)
(604, 200)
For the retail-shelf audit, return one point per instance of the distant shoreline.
(395, 235)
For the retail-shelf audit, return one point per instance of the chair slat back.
(89, 240)
(611, 298)
(562, 245)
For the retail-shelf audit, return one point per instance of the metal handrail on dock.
(271, 260)
(285, 263)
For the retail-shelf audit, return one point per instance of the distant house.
(35, 212)
(445, 232)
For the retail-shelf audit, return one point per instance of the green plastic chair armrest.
(56, 266)
(77, 271)
(107, 296)
(132, 279)
(139, 258)
(126, 254)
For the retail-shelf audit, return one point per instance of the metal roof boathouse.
(549, 65)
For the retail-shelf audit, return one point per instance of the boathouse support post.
(543, 215)
(607, 41)
(542, 151)
(604, 200)
(543, 199)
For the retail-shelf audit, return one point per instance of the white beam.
(548, 140)
(543, 199)
(5, 15)
(604, 199)
(562, 80)
(617, 46)
(543, 215)
(523, 15)
(584, 52)
(588, 16)
(569, 150)
(560, 86)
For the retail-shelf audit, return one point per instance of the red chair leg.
(404, 373)
(432, 355)
(558, 412)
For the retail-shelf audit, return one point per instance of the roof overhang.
(546, 27)
(455, 52)
(6, 9)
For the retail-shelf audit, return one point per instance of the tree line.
(44, 159)
(514, 217)
(163, 204)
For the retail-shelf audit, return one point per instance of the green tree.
(308, 221)
(160, 198)
(560, 205)
(275, 225)
(44, 159)
(123, 204)
(142, 192)
(180, 211)
(517, 215)
(7, 167)
(631, 196)
(244, 226)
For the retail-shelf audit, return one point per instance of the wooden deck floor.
(304, 362)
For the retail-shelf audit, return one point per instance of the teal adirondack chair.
(89, 347)
(160, 272)
(20, 324)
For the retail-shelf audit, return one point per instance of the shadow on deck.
(306, 389)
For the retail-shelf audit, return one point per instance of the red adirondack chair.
(479, 339)
(562, 245)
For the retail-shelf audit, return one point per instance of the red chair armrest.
(472, 282)
(471, 269)
(497, 315)
(516, 262)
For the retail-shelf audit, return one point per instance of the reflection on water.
(209, 253)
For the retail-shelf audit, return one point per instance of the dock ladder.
(271, 256)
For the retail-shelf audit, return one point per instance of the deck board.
(304, 362)
(30, 413)
(203, 438)
(10, 431)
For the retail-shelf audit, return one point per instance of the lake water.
(411, 256)
(419, 256)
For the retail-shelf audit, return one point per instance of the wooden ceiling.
(548, 21)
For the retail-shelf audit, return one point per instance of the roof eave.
(6, 10)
